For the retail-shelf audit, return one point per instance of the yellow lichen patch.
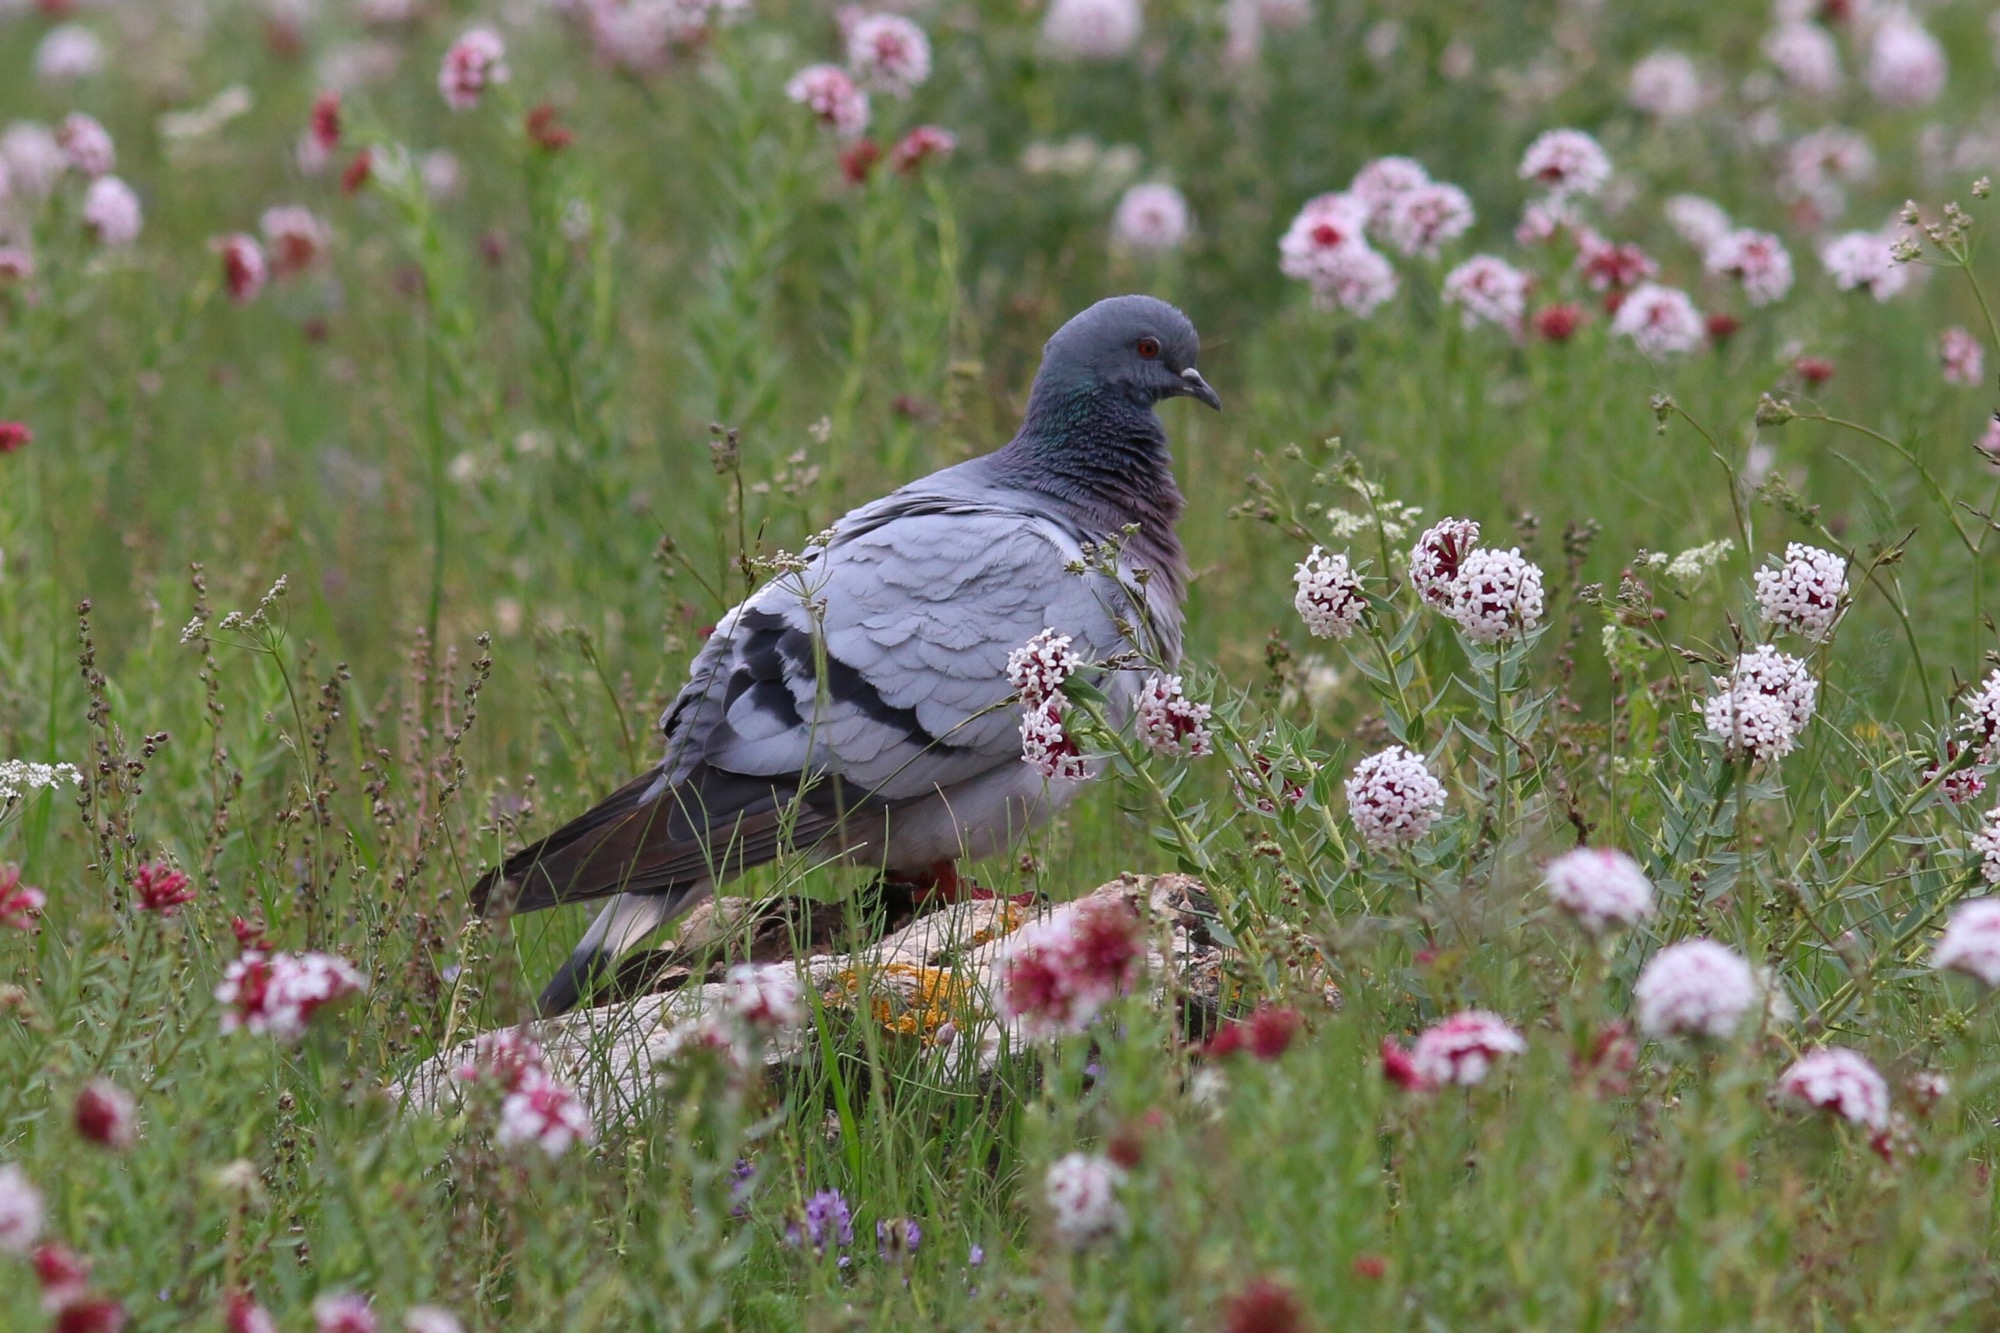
(906, 999)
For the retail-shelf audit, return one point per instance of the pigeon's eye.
(1149, 347)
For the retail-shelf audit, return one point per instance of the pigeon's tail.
(625, 920)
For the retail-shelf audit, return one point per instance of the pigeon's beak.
(1197, 388)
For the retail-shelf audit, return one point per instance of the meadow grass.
(514, 447)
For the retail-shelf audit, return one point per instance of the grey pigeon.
(860, 705)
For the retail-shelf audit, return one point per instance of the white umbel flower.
(1329, 597)
(1603, 889)
(20, 1211)
(1840, 1081)
(1497, 593)
(1152, 218)
(1971, 940)
(1566, 163)
(1982, 718)
(1082, 1191)
(1660, 321)
(1987, 843)
(1487, 290)
(1038, 668)
(1697, 988)
(1169, 723)
(1393, 798)
(1438, 556)
(1462, 1048)
(1805, 594)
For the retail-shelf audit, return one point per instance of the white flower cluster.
(20, 1211)
(19, 777)
(1756, 259)
(1698, 220)
(1046, 745)
(1496, 593)
(1982, 718)
(1082, 1190)
(1393, 798)
(1806, 56)
(1437, 556)
(1329, 597)
(1422, 219)
(1092, 29)
(536, 1108)
(1841, 1081)
(1865, 261)
(1601, 888)
(1687, 568)
(1170, 723)
(1987, 843)
(1566, 163)
(473, 63)
(1805, 594)
(1660, 321)
(889, 53)
(1038, 668)
(764, 999)
(1489, 290)
(1971, 941)
(1152, 218)
(1696, 988)
(1906, 64)
(1766, 703)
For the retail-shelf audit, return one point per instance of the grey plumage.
(860, 704)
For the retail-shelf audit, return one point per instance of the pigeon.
(858, 704)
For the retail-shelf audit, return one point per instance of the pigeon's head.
(1133, 346)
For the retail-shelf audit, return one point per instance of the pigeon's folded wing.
(883, 662)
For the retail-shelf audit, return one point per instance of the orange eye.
(1149, 347)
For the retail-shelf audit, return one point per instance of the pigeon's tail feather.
(625, 921)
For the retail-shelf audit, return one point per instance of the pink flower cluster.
(1962, 358)
(1393, 798)
(1489, 593)
(279, 993)
(1082, 1194)
(62, 1273)
(1459, 1050)
(1756, 259)
(1971, 942)
(1037, 670)
(1986, 842)
(472, 64)
(1696, 988)
(1058, 972)
(1660, 321)
(1152, 218)
(1169, 723)
(20, 905)
(1601, 888)
(1488, 290)
(1764, 704)
(888, 53)
(1865, 261)
(1982, 718)
(1330, 598)
(1805, 594)
(1840, 1081)
(536, 1108)
(160, 889)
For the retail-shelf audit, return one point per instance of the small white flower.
(1381, 182)
(889, 53)
(19, 777)
(764, 998)
(1151, 219)
(1602, 888)
(1865, 261)
(69, 51)
(1661, 321)
(1806, 55)
(111, 210)
(1091, 29)
(1393, 798)
(1756, 259)
(1805, 594)
(1766, 701)
(1697, 220)
(1971, 939)
(1487, 289)
(1082, 1192)
(1906, 64)
(1497, 593)
(1987, 843)
(431, 1319)
(1982, 719)
(1666, 84)
(1046, 745)
(1839, 1080)
(1697, 988)
(1169, 723)
(1422, 219)
(1038, 668)
(20, 1211)
(1566, 162)
(1329, 598)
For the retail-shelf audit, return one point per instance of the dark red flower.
(19, 904)
(62, 1272)
(544, 131)
(326, 120)
(358, 172)
(90, 1314)
(1814, 369)
(104, 1114)
(1370, 1266)
(14, 435)
(249, 934)
(1265, 1305)
(1557, 322)
(1271, 1030)
(1722, 326)
(857, 161)
(1399, 1068)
